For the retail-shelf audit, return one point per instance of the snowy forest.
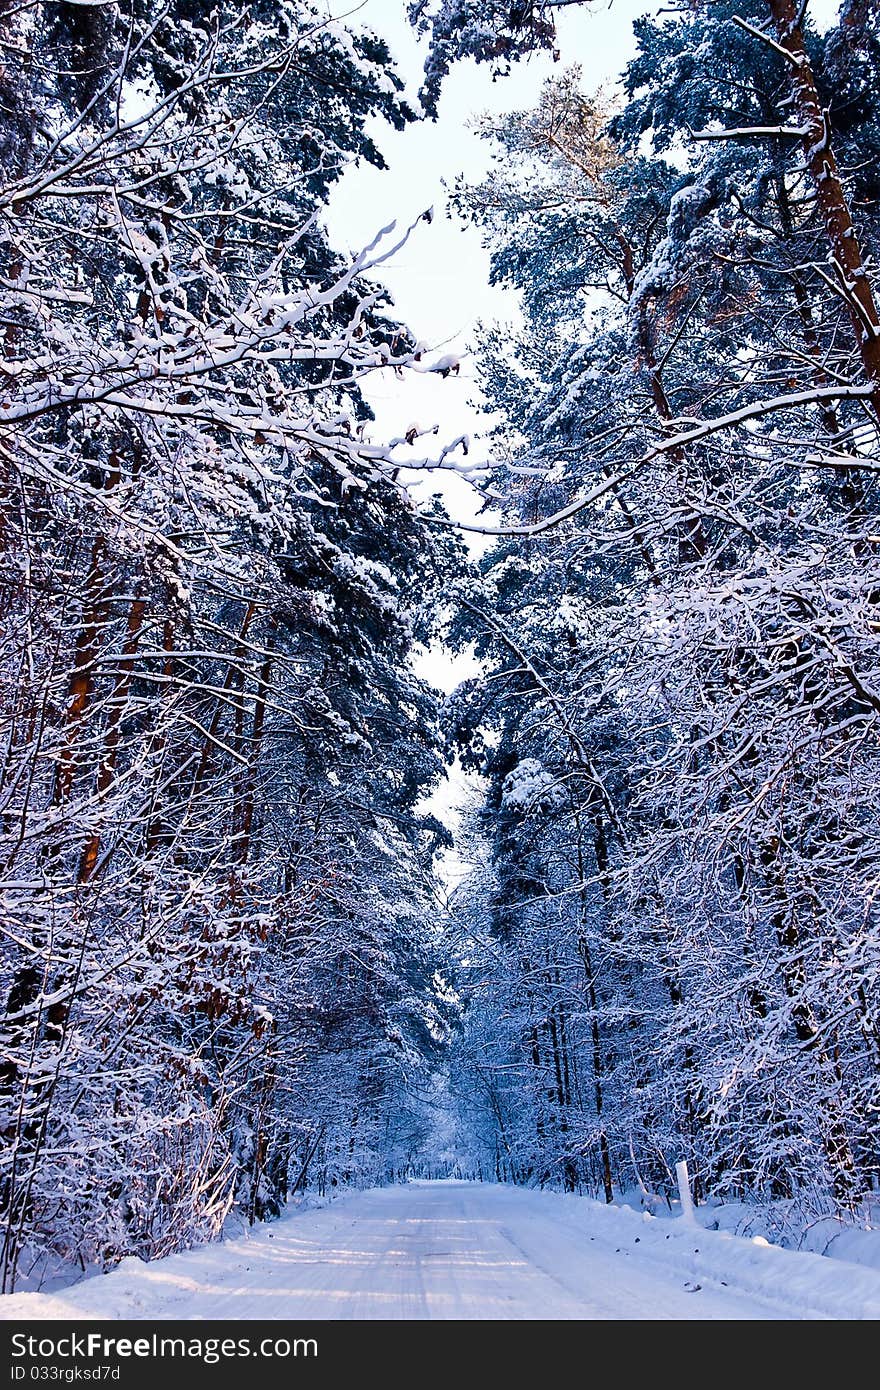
(234, 967)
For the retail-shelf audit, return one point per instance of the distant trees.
(217, 968)
(681, 646)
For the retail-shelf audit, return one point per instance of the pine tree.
(211, 586)
(691, 465)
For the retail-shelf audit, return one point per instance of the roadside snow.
(469, 1250)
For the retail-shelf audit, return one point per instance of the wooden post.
(684, 1192)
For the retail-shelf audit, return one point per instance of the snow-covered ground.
(468, 1250)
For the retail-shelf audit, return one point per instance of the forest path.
(444, 1250)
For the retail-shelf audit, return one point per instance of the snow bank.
(459, 1249)
(783, 1223)
(814, 1285)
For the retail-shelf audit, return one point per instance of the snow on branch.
(697, 431)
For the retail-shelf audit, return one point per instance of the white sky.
(440, 281)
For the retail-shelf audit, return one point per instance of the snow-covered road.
(466, 1250)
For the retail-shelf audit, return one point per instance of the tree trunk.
(821, 162)
(113, 734)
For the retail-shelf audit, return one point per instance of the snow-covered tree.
(213, 744)
(684, 639)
